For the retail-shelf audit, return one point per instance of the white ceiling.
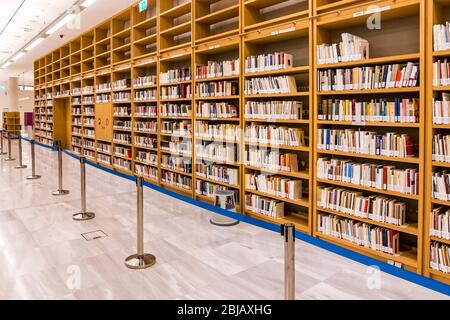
(30, 17)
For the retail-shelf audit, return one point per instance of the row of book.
(175, 75)
(441, 36)
(89, 111)
(89, 144)
(145, 111)
(177, 180)
(265, 206)
(121, 84)
(440, 257)
(103, 147)
(217, 110)
(369, 77)
(441, 109)
(401, 110)
(103, 98)
(176, 110)
(123, 96)
(222, 131)
(145, 95)
(441, 148)
(216, 69)
(207, 150)
(275, 135)
(145, 142)
(374, 207)
(89, 133)
(176, 163)
(179, 147)
(147, 157)
(180, 91)
(440, 223)
(177, 127)
(270, 85)
(275, 185)
(103, 158)
(217, 173)
(351, 48)
(146, 171)
(122, 164)
(276, 110)
(378, 176)
(122, 152)
(360, 233)
(390, 144)
(216, 89)
(143, 81)
(121, 124)
(441, 185)
(120, 137)
(146, 126)
(271, 159)
(441, 73)
(268, 62)
(122, 111)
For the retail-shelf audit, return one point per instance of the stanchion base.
(60, 192)
(9, 159)
(222, 221)
(21, 167)
(83, 216)
(35, 177)
(137, 261)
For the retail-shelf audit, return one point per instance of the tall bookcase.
(405, 17)
(438, 12)
(11, 122)
(141, 103)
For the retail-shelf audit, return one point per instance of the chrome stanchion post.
(60, 191)
(140, 260)
(2, 152)
(288, 232)
(9, 157)
(33, 176)
(20, 165)
(83, 215)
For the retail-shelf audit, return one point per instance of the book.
(351, 48)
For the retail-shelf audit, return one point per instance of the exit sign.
(142, 5)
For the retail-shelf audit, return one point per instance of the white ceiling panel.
(32, 17)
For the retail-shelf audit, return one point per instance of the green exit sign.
(142, 5)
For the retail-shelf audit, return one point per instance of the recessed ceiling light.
(6, 65)
(60, 24)
(34, 44)
(18, 56)
(87, 3)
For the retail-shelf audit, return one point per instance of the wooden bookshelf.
(438, 12)
(328, 27)
(11, 122)
(174, 34)
(294, 37)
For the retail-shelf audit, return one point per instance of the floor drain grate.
(94, 235)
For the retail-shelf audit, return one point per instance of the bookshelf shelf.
(374, 190)
(408, 258)
(408, 228)
(145, 48)
(369, 156)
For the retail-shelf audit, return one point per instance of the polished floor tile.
(44, 256)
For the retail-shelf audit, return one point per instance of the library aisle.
(42, 248)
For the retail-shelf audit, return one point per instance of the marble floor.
(44, 256)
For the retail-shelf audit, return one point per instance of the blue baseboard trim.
(349, 254)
